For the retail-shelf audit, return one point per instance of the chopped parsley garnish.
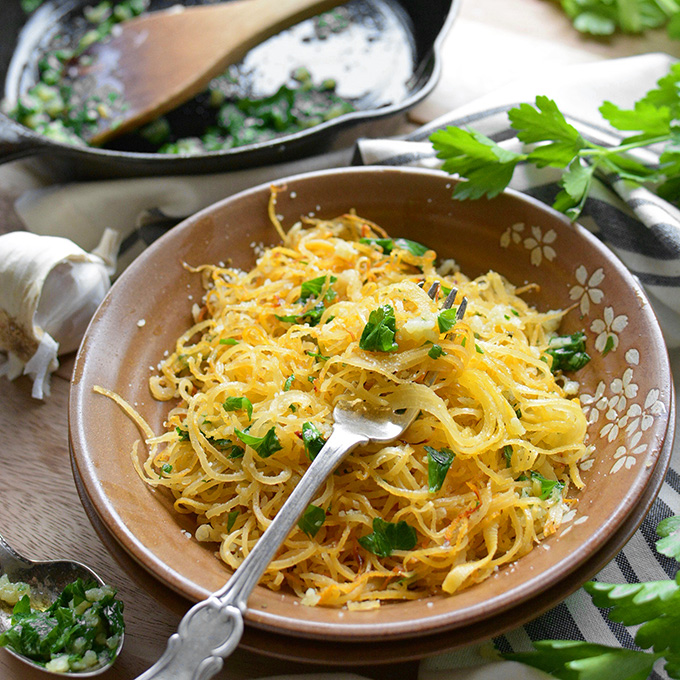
(310, 317)
(311, 290)
(436, 351)
(547, 485)
(238, 404)
(312, 520)
(378, 334)
(447, 319)
(84, 625)
(264, 446)
(288, 383)
(166, 468)
(312, 439)
(388, 537)
(237, 451)
(228, 341)
(568, 352)
(507, 452)
(317, 355)
(313, 287)
(438, 464)
(231, 519)
(182, 434)
(388, 245)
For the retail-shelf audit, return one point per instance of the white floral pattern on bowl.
(612, 410)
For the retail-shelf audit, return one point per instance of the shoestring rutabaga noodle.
(475, 482)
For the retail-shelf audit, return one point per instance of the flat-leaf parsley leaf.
(553, 141)
(264, 446)
(388, 537)
(378, 334)
(312, 520)
(438, 464)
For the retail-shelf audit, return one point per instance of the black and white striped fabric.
(644, 231)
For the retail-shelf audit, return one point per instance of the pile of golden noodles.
(494, 403)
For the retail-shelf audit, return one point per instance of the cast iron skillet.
(423, 26)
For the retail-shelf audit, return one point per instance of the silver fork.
(212, 629)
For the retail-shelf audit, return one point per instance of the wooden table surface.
(41, 515)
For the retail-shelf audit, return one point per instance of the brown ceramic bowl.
(627, 389)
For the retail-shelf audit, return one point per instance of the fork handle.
(211, 629)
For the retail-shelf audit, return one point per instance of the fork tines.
(433, 292)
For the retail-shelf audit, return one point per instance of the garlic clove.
(71, 294)
(49, 289)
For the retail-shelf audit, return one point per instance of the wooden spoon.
(162, 59)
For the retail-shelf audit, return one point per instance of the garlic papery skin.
(49, 289)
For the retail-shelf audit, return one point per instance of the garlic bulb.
(49, 290)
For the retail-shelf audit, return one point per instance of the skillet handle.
(16, 141)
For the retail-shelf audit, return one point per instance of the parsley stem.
(597, 150)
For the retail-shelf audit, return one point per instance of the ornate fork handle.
(212, 629)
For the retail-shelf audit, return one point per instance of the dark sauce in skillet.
(359, 56)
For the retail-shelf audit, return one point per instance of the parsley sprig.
(654, 606)
(604, 17)
(554, 142)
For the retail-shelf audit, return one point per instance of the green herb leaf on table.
(603, 17)
(669, 543)
(546, 123)
(388, 537)
(312, 520)
(487, 167)
(575, 660)
(264, 446)
(654, 606)
(378, 334)
(438, 464)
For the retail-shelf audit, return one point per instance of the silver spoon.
(47, 580)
